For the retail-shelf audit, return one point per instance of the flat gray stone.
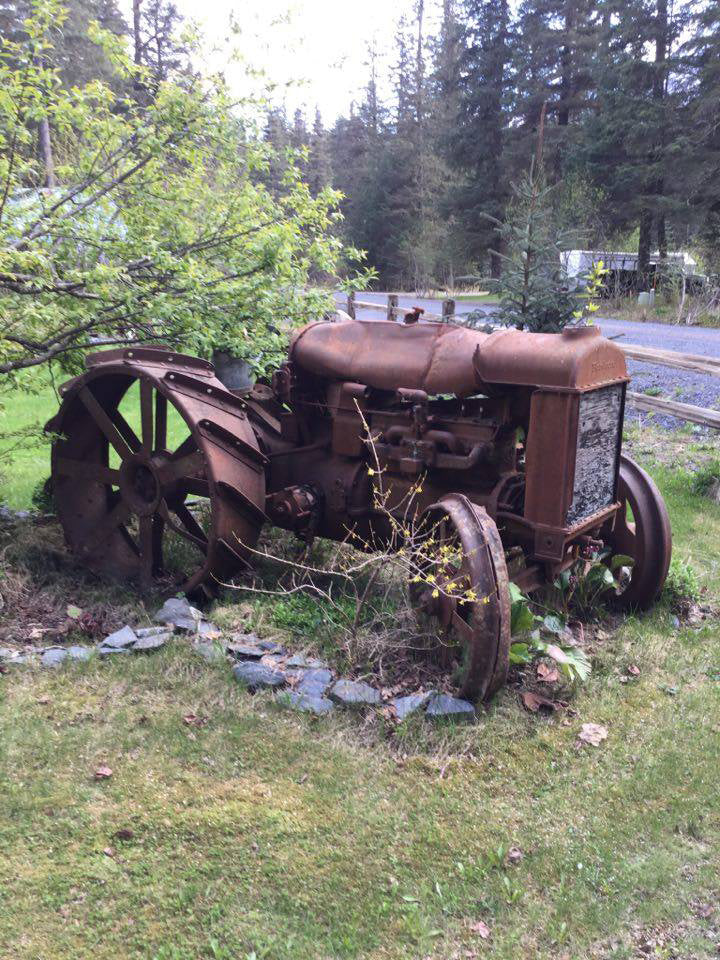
(209, 651)
(53, 657)
(178, 612)
(18, 661)
(257, 675)
(105, 651)
(244, 651)
(153, 642)
(354, 693)
(6, 654)
(308, 663)
(314, 683)
(404, 706)
(77, 652)
(208, 630)
(308, 703)
(150, 631)
(442, 706)
(125, 637)
(270, 646)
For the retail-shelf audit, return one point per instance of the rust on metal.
(515, 437)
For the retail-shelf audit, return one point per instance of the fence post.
(448, 310)
(351, 304)
(392, 303)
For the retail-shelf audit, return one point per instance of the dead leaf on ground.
(192, 720)
(514, 855)
(557, 653)
(592, 734)
(109, 852)
(547, 674)
(534, 702)
(481, 929)
(124, 834)
(103, 773)
(705, 911)
(633, 670)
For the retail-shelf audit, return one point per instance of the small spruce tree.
(535, 291)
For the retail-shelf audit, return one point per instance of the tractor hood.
(445, 358)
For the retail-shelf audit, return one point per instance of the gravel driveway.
(683, 385)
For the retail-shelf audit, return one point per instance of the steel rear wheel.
(641, 530)
(171, 495)
(462, 585)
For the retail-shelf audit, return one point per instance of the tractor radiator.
(596, 455)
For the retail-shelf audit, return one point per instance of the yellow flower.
(371, 472)
(436, 592)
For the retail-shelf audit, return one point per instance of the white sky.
(317, 46)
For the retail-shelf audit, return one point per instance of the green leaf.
(520, 653)
(73, 612)
(554, 624)
(621, 560)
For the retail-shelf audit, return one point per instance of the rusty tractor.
(515, 437)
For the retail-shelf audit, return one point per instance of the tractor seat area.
(434, 357)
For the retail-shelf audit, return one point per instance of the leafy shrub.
(530, 629)
(682, 587)
(706, 477)
(42, 496)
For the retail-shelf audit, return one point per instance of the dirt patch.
(40, 583)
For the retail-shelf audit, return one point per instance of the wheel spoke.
(189, 522)
(110, 428)
(160, 421)
(187, 446)
(146, 550)
(201, 544)
(197, 486)
(146, 415)
(158, 528)
(463, 629)
(110, 522)
(624, 535)
(87, 470)
(188, 466)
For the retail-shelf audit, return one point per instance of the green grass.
(24, 449)
(480, 298)
(269, 835)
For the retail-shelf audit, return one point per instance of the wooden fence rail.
(696, 363)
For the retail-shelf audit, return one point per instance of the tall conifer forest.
(428, 153)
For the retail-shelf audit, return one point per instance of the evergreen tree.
(702, 60)
(481, 138)
(319, 167)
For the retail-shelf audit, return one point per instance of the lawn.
(23, 414)
(263, 834)
(24, 448)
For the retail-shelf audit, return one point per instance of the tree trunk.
(644, 240)
(136, 32)
(661, 234)
(420, 67)
(566, 66)
(659, 92)
(46, 153)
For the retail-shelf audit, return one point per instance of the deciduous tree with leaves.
(159, 225)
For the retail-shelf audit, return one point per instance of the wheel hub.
(140, 485)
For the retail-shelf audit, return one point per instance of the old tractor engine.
(507, 444)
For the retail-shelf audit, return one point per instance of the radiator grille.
(597, 450)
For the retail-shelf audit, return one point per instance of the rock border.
(300, 682)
